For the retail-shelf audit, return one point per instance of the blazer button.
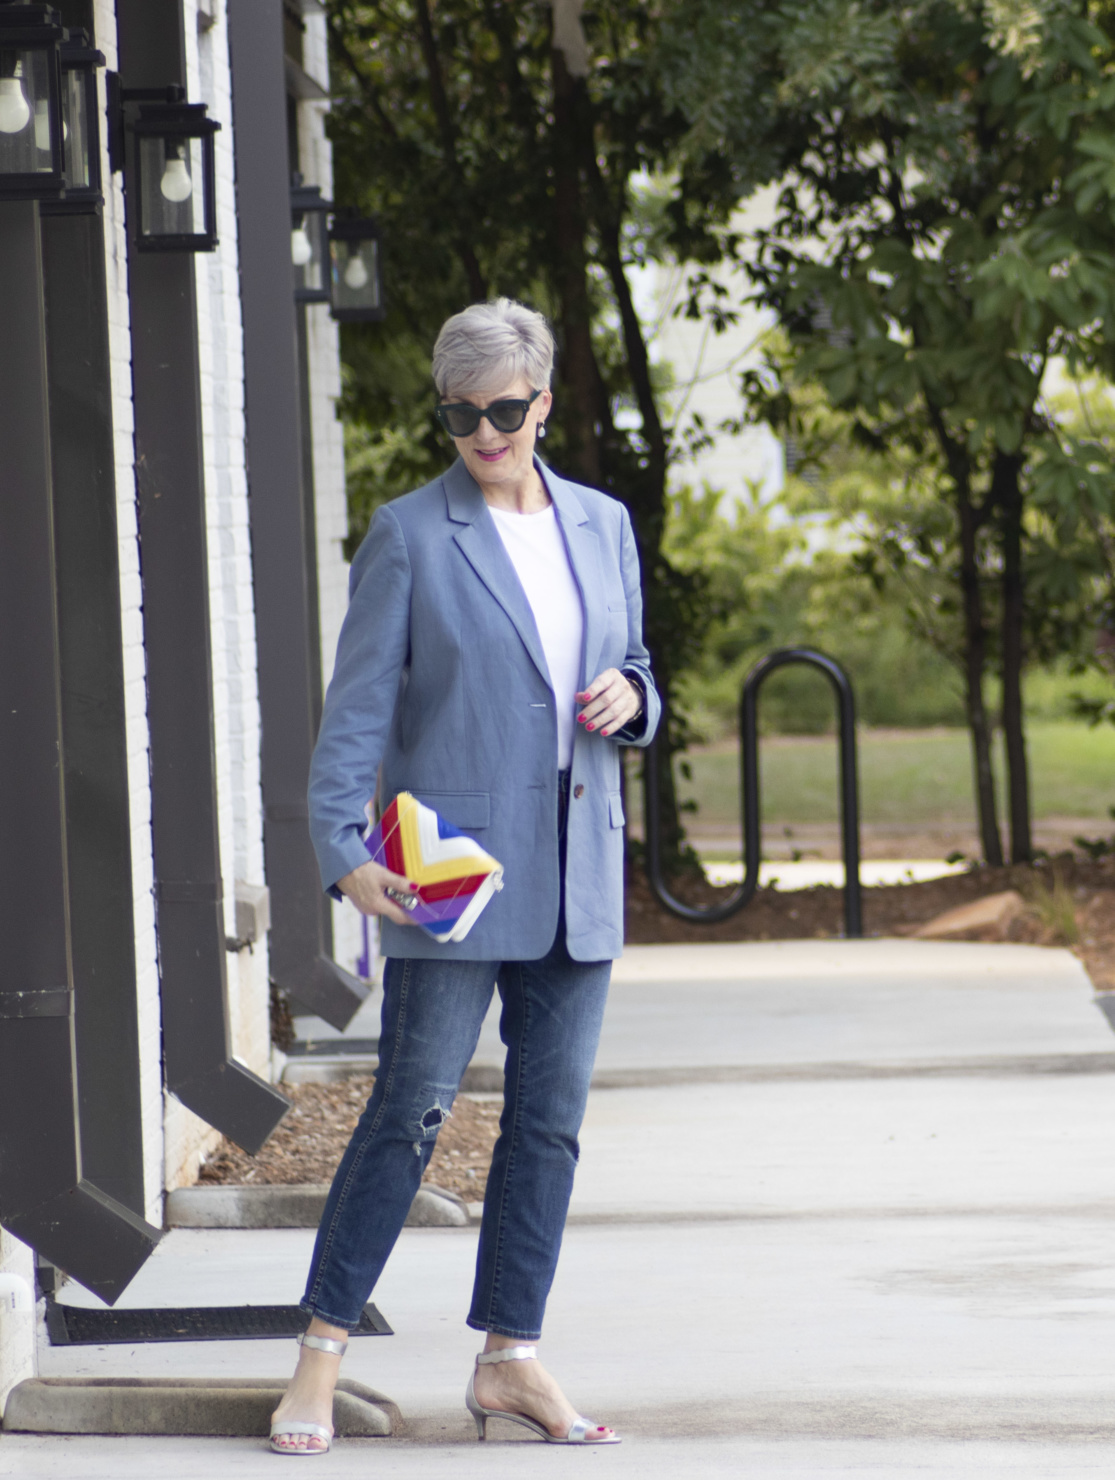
(578, 791)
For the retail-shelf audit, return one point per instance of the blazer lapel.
(482, 547)
(584, 556)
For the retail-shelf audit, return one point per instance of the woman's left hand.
(610, 701)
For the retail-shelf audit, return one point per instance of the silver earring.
(541, 429)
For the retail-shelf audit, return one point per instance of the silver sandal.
(578, 1429)
(286, 1427)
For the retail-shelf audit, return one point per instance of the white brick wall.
(232, 635)
(236, 733)
(17, 1329)
(135, 679)
(331, 509)
(331, 525)
(174, 1138)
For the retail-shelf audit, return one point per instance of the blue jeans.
(432, 1014)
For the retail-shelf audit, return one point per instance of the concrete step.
(183, 1405)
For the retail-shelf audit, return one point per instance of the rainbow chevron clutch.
(455, 877)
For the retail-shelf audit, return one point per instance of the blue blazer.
(441, 679)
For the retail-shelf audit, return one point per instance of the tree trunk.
(649, 501)
(1008, 497)
(970, 520)
(477, 287)
(595, 452)
(975, 662)
(676, 857)
(646, 495)
(585, 410)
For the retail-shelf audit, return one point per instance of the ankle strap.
(323, 1344)
(509, 1354)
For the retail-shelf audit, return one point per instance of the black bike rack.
(749, 797)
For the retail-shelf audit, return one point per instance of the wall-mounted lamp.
(176, 206)
(309, 242)
(81, 143)
(172, 169)
(31, 135)
(357, 272)
(339, 266)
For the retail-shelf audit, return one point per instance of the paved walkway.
(861, 1226)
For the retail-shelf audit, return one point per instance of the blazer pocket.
(616, 635)
(471, 809)
(615, 809)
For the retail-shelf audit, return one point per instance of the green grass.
(913, 777)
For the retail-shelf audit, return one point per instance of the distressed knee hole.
(431, 1109)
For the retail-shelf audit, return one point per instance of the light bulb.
(356, 274)
(42, 128)
(301, 247)
(176, 184)
(15, 114)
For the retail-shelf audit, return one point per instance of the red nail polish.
(590, 727)
(580, 719)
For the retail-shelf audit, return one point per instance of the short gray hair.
(488, 345)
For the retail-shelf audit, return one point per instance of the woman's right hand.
(366, 887)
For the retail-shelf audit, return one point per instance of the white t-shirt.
(537, 551)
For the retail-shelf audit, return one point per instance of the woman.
(491, 663)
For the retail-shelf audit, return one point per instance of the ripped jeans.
(432, 1014)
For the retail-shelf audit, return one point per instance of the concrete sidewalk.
(884, 1247)
(742, 1008)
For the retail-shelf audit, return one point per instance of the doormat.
(75, 1325)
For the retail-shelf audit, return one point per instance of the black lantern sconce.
(171, 169)
(81, 144)
(31, 135)
(309, 242)
(175, 176)
(357, 271)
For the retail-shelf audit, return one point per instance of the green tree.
(1072, 536)
(943, 234)
(853, 558)
(889, 550)
(501, 146)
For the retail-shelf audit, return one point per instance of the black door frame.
(49, 1195)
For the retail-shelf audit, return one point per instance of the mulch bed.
(309, 1143)
(311, 1139)
(893, 909)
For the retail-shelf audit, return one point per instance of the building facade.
(172, 581)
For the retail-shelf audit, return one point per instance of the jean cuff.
(327, 1316)
(492, 1328)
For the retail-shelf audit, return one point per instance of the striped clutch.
(455, 877)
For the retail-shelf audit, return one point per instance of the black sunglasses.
(462, 419)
